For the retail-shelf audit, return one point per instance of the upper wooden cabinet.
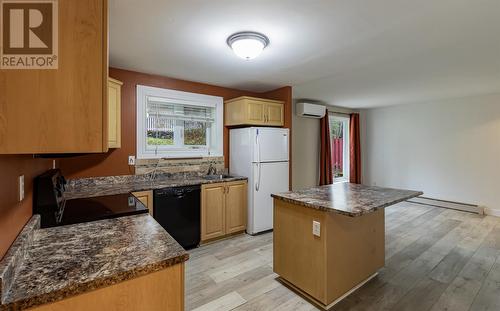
(61, 110)
(114, 113)
(253, 111)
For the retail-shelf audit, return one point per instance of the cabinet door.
(61, 110)
(212, 211)
(274, 114)
(146, 197)
(255, 112)
(236, 206)
(114, 113)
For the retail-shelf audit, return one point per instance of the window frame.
(215, 144)
(345, 155)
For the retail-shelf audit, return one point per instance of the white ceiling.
(351, 53)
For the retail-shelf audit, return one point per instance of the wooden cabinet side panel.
(212, 211)
(236, 206)
(356, 250)
(157, 291)
(61, 110)
(233, 113)
(299, 256)
(146, 197)
(114, 114)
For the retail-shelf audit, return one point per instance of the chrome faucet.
(211, 169)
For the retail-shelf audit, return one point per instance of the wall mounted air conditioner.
(308, 110)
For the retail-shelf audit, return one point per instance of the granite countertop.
(92, 187)
(346, 198)
(64, 261)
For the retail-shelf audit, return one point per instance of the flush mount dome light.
(247, 44)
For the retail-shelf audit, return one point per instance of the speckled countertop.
(346, 198)
(69, 260)
(92, 187)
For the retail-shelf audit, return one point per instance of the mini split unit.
(308, 110)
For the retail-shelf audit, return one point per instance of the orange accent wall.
(115, 161)
(14, 214)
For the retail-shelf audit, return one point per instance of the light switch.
(316, 228)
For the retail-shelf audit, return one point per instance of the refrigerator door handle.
(257, 143)
(257, 184)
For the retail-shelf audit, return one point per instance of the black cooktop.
(97, 208)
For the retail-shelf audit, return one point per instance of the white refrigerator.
(261, 154)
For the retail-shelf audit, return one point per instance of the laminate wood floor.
(436, 259)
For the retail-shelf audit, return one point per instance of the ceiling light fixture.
(247, 44)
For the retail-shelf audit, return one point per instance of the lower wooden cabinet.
(158, 291)
(236, 207)
(146, 197)
(223, 209)
(212, 211)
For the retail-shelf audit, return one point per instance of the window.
(339, 138)
(178, 124)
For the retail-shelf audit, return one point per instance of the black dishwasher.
(177, 209)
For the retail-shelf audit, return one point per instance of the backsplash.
(197, 166)
(163, 170)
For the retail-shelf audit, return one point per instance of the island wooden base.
(348, 252)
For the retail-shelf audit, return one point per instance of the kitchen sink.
(215, 177)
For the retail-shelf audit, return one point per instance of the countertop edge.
(81, 288)
(349, 214)
(14, 257)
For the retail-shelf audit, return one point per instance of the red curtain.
(325, 158)
(355, 150)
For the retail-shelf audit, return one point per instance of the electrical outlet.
(131, 160)
(21, 188)
(131, 201)
(316, 228)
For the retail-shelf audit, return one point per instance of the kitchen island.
(330, 240)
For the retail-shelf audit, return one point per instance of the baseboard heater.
(464, 207)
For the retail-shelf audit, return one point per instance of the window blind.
(162, 109)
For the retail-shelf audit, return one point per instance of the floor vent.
(471, 208)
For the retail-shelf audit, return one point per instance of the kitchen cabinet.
(161, 290)
(247, 110)
(146, 197)
(236, 207)
(223, 209)
(114, 113)
(61, 110)
(212, 211)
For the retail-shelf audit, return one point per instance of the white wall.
(305, 149)
(448, 149)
